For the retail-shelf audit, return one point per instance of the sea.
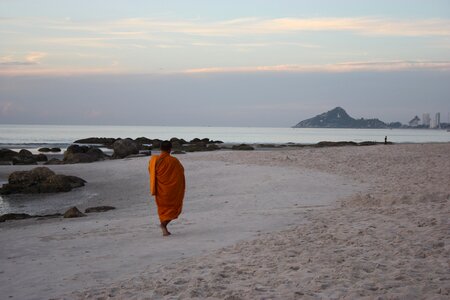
(33, 137)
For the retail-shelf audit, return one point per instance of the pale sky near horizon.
(221, 63)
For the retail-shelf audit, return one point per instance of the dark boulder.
(212, 147)
(40, 157)
(124, 147)
(242, 147)
(156, 143)
(46, 149)
(334, 144)
(143, 140)
(367, 143)
(34, 176)
(99, 209)
(96, 141)
(40, 180)
(195, 147)
(195, 140)
(73, 212)
(7, 154)
(14, 216)
(200, 146)
(18, 160)
(25, 153)
(176, 145)
(60, 183)
(82, 154)
(177, 140)
(24, 157)
(54, 161)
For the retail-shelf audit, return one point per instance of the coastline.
(380, 230)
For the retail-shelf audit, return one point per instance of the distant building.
(426, 120)
(414, 122)
(437, 120)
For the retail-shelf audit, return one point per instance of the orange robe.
(167, 184)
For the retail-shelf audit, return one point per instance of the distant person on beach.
(167, 184)
(385, 140)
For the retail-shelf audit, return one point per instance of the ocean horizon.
(35, 136)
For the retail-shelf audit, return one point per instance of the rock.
(156, 143)
(24, 157)
(195, 147)
(40, 174)
(54, 161)
(21, 216)
(40, 157)
(212, 147)
(125, 147)
(178, 141)
(96, 141)
(82, 154)
(242, 147)
(73, 212)
(45, 149)
(13, 216)
(25, 153)
(34, 176)
(143, 141)
(40, 180)
(98, 209)
(7, 155)
(195, 140)
(60, 183)
(24, 161)
(334, 144)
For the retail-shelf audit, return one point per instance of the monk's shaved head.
(166, 146)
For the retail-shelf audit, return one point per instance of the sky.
(221, 63)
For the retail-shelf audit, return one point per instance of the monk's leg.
(163, 226)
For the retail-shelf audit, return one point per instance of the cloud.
(32, 58)
(138, 28)
(347, 67)
(61, 71)
(386, 66)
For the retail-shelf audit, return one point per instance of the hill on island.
(338, 118)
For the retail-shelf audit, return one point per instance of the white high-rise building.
(437, 120)
(426, 120)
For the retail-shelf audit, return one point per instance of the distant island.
(338, 118)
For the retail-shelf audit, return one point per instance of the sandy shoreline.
(347, 222)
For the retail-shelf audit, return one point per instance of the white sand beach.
(309, 223)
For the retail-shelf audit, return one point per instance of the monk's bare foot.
(165, 232)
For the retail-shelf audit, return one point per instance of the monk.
(167, 184)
